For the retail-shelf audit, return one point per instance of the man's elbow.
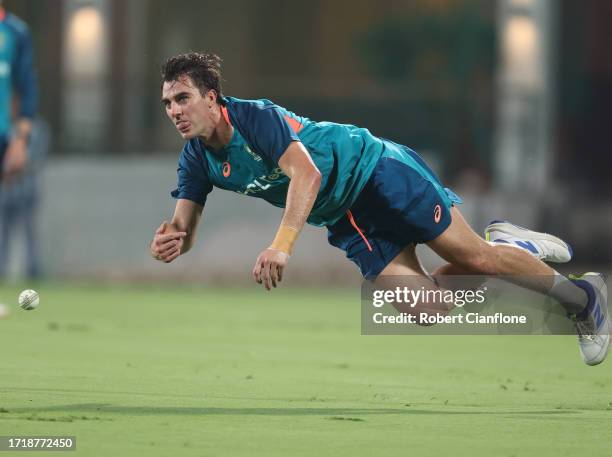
(315, 178)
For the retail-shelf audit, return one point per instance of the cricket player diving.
(376, 198)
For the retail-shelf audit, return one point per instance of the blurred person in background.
(18, 99)
(19, 199)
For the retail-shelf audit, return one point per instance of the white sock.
(573, 298)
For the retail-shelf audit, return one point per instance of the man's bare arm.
(177, 237)
(16, 156)
(304, 186)
(186, 218)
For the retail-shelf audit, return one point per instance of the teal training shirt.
(16, 70)
(344, 154)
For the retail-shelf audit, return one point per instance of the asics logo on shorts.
(437, 213)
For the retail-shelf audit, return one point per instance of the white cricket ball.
(29, 300)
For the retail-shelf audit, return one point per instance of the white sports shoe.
(593, 324)
(543, 246)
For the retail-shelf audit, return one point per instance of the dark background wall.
(421, 72)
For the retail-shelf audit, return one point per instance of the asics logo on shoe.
(527, 245)
(598, 315)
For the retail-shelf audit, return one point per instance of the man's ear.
(212, 95)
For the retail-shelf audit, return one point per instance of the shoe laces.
(585, 328)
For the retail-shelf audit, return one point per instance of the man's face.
(192, 113)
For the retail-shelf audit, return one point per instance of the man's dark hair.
(204, 69)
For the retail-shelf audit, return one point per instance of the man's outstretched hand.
(167, 243)
(269, 266)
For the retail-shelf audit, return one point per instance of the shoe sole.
(601, 356)
(521, 232)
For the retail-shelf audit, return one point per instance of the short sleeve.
(193, 180)
(23, 73)
(264, 128)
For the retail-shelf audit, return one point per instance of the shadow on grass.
(213, 411)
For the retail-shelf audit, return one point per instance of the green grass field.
(214, 372)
